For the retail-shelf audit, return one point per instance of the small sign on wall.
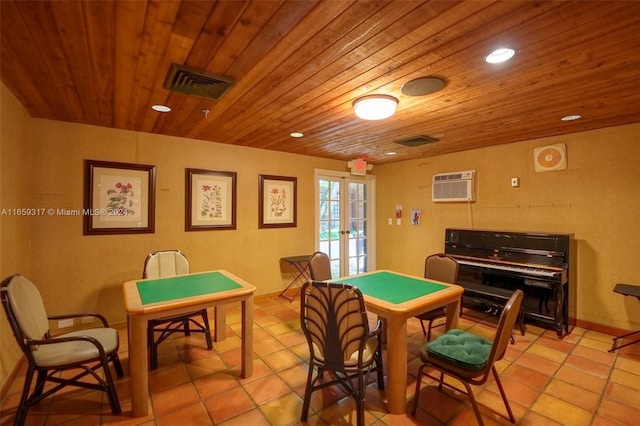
(416, 216)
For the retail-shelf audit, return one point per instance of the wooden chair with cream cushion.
(169, 263)
(64, 360)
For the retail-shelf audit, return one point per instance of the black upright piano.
(536, 263)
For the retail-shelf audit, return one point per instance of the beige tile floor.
(573, 381)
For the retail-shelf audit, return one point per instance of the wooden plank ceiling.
(299, 65)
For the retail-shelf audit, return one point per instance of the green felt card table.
(395, 298)
(161, 297)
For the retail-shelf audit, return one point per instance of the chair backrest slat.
(334, 319)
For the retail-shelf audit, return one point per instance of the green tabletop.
(163, 289)
(393, 288)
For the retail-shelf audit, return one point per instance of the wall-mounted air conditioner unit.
(454, 186)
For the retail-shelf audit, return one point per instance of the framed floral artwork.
(277, 202)
(210, 200)
(119, 198)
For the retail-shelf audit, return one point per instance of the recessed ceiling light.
(391, 153)
(296, 135)
(571, 117)
(161, 108)
(500, 55)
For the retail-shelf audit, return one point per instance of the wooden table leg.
(138, 366)
(396, 365)
(220, 323)
(247, 338)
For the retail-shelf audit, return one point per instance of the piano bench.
(626, 290)
(493, 297)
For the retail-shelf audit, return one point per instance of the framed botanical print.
(277, 201)
(210, 200)
(119, 198)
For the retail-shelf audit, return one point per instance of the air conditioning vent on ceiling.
(455, 186)
(417, 141)
(195, 82)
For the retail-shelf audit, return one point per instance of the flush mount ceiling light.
(296, 135)
(500, 55)
(375, 107)
(571, 117)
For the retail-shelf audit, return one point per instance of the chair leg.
(424, 330)
(503, 394)
(207, 329)
(117, 365)
(360, 401)
(429, 332)
(153, 348)
(40, 381)
(378, 362)
(474, 403)
(416, 394)
(114, 402)
(307, 396)
(23, 407)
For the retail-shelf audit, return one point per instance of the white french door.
(345, 221)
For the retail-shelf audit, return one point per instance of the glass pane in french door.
(330, 220)
(357, 227)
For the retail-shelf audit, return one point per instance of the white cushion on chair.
(72, 352)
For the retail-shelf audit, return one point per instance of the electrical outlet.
(87, 320)
(65, 323)
(515, 182)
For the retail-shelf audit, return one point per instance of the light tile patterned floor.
(573, 381)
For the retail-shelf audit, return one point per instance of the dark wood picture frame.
(119, 198)
(277, 201)
(210, 198)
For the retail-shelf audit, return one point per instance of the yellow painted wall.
(597, 199)
(76, 271)
(15, 189)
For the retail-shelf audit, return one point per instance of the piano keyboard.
(510, 268)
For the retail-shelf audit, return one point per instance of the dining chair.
(439, 267)
(334, 321)
(169, 263)
(470, 358)
(52, 359)
(320, 266)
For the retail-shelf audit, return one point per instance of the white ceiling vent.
(196, 82)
